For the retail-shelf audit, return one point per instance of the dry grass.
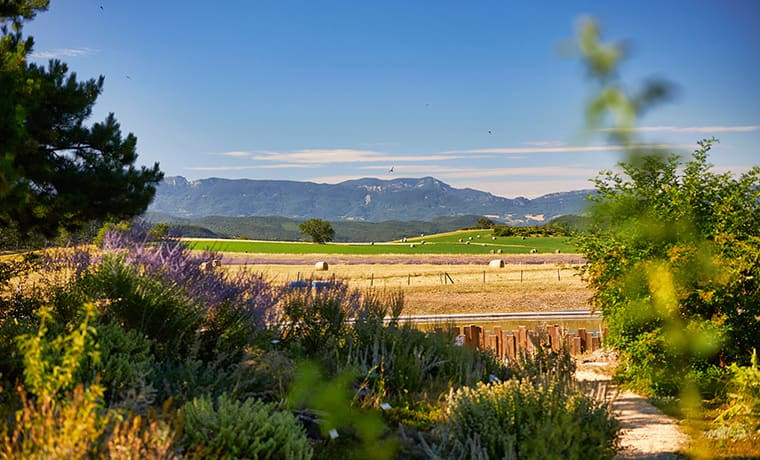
(428, 290)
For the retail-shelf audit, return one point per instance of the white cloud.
(544, 143)
(733, 169)
(693, 129)
(237, 154)
(577, 149)
(332, 156)
(445, 172)
(248, 167)
(528, 189)
(63, 52)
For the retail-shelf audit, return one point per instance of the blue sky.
(333, 90)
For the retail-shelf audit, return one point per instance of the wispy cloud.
(248, 167)
(63, 52)
(332, 156)
(577, 149)
(445, 172)
(693, 129)
(237, 154)
(544, 143)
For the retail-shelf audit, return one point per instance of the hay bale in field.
(493, 237)
(477, 236)
(534, 251)
(412, 245)
(321, 266)
(496, 263)
(466, 242)
(371, 243)
(492, 251)
(557, 251)
(460, 240)
(469, 238)
(482, 244)
(498, 251)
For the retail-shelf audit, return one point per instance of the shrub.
(523, 419)
(253, 429)
(137, 438)
(57, 422)
(315, 319)
(743, 391)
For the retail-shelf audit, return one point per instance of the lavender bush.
(196, 273)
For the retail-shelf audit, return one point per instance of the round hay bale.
(496, 263)
(482, 244)
(534, 251)
(557, 251)
(469, 238)
(492, 251)
(466, 242)
(498, 251)
(493, 238)
(321, 266)
(460, 240)
(412, 245)
(477, 236)
(371, 243)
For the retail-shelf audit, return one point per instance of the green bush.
(743, 391)
(405, 364)
(523, 419)
(252, 429)
(139, 302)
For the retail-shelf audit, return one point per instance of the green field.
(447, 243)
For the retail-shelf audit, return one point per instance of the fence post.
(409, 279)
(372, 280)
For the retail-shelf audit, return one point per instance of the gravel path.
(645, 431)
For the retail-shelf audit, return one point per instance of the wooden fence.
(510, 344)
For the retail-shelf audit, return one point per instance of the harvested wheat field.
(449, 284)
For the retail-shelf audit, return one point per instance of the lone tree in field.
(56, 172)
(485, 222)
(319, 230)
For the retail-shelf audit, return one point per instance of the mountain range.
(368, 199)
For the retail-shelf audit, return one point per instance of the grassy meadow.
(480, 242)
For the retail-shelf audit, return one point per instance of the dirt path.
(645, 431)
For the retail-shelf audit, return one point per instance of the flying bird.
(390, 170)
(128, 77)
(489, 132)
(101, 7)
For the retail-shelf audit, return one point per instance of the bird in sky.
(101, 7)
(128, 77)
(390, 170)
(489, 132)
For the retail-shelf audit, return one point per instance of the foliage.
(137, 438)
(673, 249)
(319, 230)
(525, 419)
(57, 422)
(485, 222)
(331, 399)
(673, 261)
(252, 429)
(743, 390)
(55, 171)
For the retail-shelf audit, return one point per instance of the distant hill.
(371, 200)
(285, 229)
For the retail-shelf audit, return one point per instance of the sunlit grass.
(472, 242)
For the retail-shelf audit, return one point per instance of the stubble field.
(444, 284)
